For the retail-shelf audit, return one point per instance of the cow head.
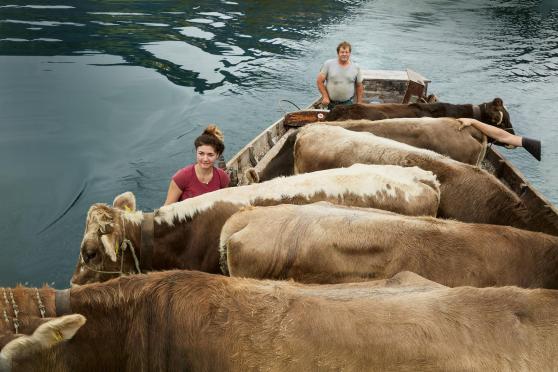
(24, 350)
(101, 252)
(495, 113)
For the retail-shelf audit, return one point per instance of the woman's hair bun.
(211, 136)
(213, 130)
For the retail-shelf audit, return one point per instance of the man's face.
(344, 54)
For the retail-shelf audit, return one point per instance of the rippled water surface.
(100, 97)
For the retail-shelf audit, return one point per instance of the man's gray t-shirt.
(341, 80)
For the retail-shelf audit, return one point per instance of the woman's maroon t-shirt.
(191, 186)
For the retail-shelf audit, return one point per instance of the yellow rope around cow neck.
(123, 247)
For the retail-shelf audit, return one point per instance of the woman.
(203, 176)
(533, 146)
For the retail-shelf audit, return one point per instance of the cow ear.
(498, 102)
(109, 243)
(45, 336)
(125, 201)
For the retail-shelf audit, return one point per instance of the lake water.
(101, 97)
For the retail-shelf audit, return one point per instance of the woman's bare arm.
(173, 194)
(492, 131)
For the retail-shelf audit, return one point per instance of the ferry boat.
(384, 86)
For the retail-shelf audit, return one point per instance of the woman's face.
(206, 156)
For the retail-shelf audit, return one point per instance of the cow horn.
(110, 246)
(501, 118)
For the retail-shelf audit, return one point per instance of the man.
(344, 79)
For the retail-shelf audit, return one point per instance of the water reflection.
(38, 6)
(196, 32)
(130, 29)
(207, 66)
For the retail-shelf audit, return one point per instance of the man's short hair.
(344, 44)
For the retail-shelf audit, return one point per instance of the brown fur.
(193, 243)
(325, 243)
(490, 112)
(441, 135)
(195, 321)
(468, 193)
(283, 163)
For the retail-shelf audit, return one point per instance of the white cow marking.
(360, 179)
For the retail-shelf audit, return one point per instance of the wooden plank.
(384, 75)
(385, 91)
(416, 77)
(539, 207)
(251, 154)
(303, 117)
(275, 128)
(270, 140)
(268, 157)
(414, 92)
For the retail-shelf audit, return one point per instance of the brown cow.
(468, 193)
(182, 320)
(445, 136)
(186, 234)
(437, 134)
(493, 112)
(325, 243)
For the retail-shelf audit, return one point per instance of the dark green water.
(100, 97)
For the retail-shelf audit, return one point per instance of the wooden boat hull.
(251, 161)
(541, 208)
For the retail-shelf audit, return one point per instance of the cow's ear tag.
(125, 201)
(57, 335)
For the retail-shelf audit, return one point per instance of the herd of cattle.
(382, 245)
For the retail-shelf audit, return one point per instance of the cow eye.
(88, 256)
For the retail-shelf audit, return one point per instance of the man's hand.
(325, 101)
